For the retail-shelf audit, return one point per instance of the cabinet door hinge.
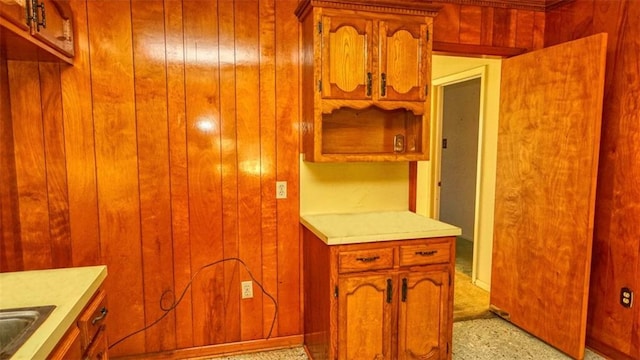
(319, 27)
(335, 292)
(319, 85)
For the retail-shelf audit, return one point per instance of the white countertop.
(337, 229)
(70, 289)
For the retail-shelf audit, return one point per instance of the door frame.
(436, 149)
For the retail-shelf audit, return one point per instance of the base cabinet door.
(422, 318)
(69, 348)
(378, 300)
(365, 305)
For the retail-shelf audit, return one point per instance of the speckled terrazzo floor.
(497, 339)
(484, 339)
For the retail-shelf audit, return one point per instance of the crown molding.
(535, 5)
(407, 7)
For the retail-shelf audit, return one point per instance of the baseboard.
(482, 285)
(606, 350)
(235, 348)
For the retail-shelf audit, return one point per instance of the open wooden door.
(548, 143)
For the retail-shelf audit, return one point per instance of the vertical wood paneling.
(202, 94)
(267, 96)
(486, 37)
(80, 147)
(56, 173)
(617, 229)
(524, 28)
(287, 168)
(538, 30)
(247, 50)
(446, 26)
(153, 168)
(612, 329)
(10, 246)
(470, 32)
(488, 26)
(24, 88)
(229, 153)
(501, 26)
(178, 167)
(110, 51)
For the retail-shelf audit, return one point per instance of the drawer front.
(361, 260)
(435, 253)
(93, 319)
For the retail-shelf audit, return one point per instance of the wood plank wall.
(486, 27)
(158, 151)
(616, 249)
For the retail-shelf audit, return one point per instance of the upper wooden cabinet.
(350, 49)
(53, 25)
(365, 80)
(15, 11)
(36, 30)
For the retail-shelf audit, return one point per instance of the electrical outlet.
(626, 297)
(281, 189)
(247, 289)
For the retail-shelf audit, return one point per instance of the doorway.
(456, 178)
(459, 164)
(456, 173)
(449, 70)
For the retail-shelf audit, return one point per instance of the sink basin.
(17, 325)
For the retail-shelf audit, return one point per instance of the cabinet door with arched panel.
(347, 62)
(404, 62)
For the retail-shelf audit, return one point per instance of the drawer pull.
(427, 253)
(368, 259)
(103, 313)
(389, 291)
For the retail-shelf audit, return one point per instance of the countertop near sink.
(337, 229)
(70, 289)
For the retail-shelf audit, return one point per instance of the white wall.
(353, 187)
(448, 66)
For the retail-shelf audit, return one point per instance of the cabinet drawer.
(435, 253)
(359, 260)
(92, 319)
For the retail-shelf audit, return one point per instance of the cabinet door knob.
(389, 291)
(383, 84)
(369, 81)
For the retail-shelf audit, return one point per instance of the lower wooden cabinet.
(382, 300)
(87, 337)
(69, 347)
